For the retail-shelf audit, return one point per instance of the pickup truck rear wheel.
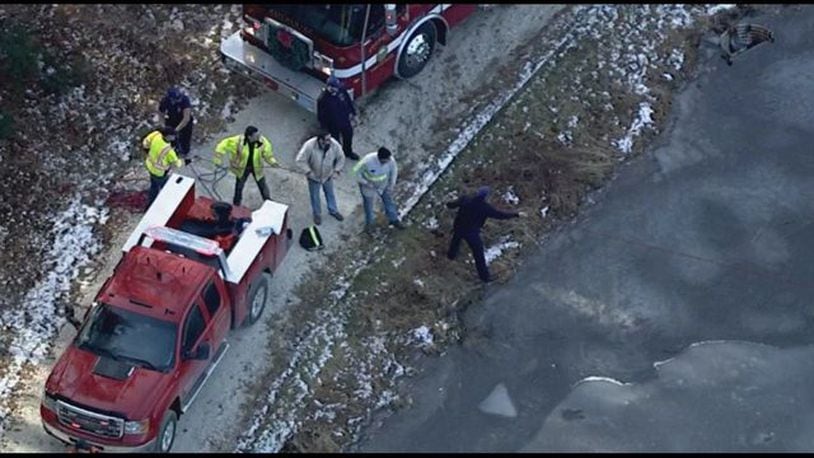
(257, 303)
(166, 433)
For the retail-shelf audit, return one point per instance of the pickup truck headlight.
(48, 401)
(137, 427)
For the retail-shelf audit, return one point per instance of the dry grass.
(513, 152)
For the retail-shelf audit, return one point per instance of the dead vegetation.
(551, 146)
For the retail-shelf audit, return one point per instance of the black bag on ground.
(310, 239)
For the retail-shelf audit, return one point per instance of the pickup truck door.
(215, 300)
(192, 370)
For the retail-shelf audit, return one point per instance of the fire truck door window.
(212, 299)
(339, 24)
(375, 22)
(193, 328)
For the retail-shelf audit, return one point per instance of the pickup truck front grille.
(89, 422)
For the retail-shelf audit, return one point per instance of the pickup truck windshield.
(129, 337)
(339, 24)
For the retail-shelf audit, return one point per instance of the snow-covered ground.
(36, 321)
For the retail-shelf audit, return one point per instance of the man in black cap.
(336, 111)
(177, 110)
(472, 214)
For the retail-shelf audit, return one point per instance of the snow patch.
(422, 336)
(565, 138)
(711, 10)
(642, 119)
(600, 379)
(226, 112)
(341, 290)
(510, 197)
(495, 251)
(39, 317)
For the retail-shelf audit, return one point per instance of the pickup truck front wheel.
(166, 433)
(257, 303)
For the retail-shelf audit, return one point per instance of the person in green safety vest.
(246, 155)
(376, 174)
(160, 157)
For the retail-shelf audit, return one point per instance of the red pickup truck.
(191, 270)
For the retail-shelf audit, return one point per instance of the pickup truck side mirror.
(202, 353)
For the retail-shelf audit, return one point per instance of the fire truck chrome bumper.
(256, 64)
(72, 441)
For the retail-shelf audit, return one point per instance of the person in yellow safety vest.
(160, 157)
(376, 174)
(245, 153)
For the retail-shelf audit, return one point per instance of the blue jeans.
(330, 198)
(156, 184)
(389, 207)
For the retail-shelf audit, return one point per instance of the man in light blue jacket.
(376, 174)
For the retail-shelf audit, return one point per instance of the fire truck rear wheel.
(258, 294)
(166, 433)
(418, 50)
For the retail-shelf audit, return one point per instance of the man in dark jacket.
(177, 111)
(472, 213)
(336, 111)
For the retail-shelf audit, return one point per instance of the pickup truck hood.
(133, 396)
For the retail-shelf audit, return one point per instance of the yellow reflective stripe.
(313, 236)
(234, 161)
(158, 163)
(161, 156)
(373, 177)
(366, 173)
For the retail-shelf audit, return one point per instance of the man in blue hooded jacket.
(336, 112)
(472, 214)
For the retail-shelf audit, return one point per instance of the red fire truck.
(191, 270)
(293, 49)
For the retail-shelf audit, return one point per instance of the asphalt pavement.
(675, 313)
